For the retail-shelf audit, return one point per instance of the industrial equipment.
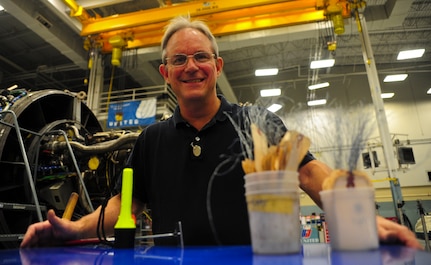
(66, 150)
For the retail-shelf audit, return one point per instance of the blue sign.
(132, 113)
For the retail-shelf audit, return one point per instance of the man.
(174, 161)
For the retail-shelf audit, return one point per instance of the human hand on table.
(51, 232)
(391, 232)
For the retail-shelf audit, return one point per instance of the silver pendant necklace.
(196, 149)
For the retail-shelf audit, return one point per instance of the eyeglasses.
(182, 59)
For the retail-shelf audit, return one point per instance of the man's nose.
(191, 63)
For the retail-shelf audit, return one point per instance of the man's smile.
(193, 80)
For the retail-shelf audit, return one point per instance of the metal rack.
(36, 207)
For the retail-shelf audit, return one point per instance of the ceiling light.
(12, 87)
(429, 91)
(387, 95)
(266, 72)
(410, 54)
(270, 92)
(91, 4)
(322, 64)
(316, 102)
(1, 8)
(274, 107)
(317, 86)
(395, 78)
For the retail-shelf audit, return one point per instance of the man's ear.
(164, 72)
(219, 65)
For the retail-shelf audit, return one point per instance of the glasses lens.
(179, 59)
(202, 57)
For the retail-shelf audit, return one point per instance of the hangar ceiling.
(41, 48)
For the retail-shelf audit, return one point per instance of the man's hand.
(391, 232)
(51, 232)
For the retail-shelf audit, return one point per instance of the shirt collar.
(225, 107)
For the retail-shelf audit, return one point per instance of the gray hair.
(182, 22)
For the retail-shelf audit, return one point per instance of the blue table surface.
(313, 254)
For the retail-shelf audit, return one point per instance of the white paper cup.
(274, 216)
(350, 215)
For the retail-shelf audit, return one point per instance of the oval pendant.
(196, 150)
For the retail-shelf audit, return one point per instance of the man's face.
(193, 80)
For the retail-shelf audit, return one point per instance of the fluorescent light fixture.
(270, 92)
(274, 107)
(266, 72)
(317, 86)
(429, 91)
(91, 4)
(316, 102)
(322, 64)
(387, 95)
(395, 78)
(410, 54)
(12, 87)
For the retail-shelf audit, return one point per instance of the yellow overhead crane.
(145, 28)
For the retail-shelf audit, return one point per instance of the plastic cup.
(350, 215)
(283, 175)
(270, 180)
(274, 214)
(273, 185)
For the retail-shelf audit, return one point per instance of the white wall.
(408, 115)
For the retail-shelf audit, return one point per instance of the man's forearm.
(311, 177)
(88, 223)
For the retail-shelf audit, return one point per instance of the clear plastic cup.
(285, 175)
(270, 180)
(257, 186)
(274, 214)
(350, 215)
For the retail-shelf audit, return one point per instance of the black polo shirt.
(204, 190)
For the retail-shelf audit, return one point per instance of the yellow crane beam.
(163, 14)
(145, 28)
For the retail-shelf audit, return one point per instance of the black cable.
(216, 172)
(99, 222)
(407, 222)
(100, 229)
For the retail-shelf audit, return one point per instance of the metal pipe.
(99, 148)
(381, 120)
(75, 163)
(424, 226)
(27, 164)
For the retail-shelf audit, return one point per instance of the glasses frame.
(213, 55)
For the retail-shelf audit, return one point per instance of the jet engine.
(50, 140)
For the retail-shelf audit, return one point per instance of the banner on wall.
(132, 113)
